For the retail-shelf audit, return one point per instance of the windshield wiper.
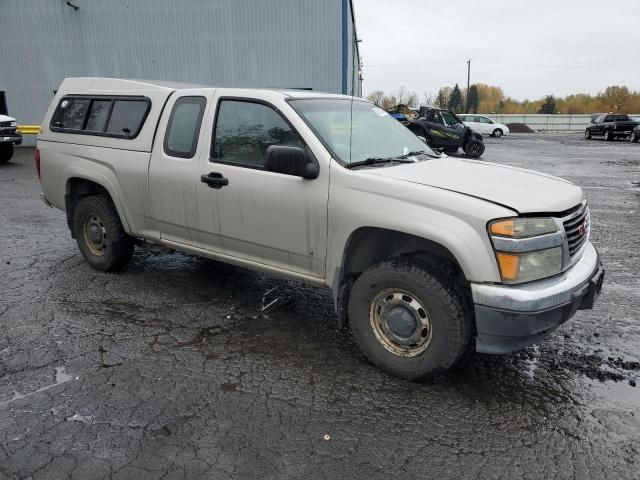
(418, 152)
(379, 160)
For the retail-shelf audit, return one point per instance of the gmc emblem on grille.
(582, 229)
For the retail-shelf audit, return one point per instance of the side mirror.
(291, 161)
(422, 139)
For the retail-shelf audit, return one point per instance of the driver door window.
(434, 117)
(449, 120)
(244, 131)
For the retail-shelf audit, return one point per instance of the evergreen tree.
(548, 105)
(455, 100)
(473, 101)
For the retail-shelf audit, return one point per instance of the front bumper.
(512, 317)
(14, 138)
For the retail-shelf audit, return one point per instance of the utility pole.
(468, 83)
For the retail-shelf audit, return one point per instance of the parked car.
(635, 134)
(8, 137)
(443, 130)
(484, 125)
(424, 255)
(610, 126)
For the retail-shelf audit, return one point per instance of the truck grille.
(577, 228)
(5, 124)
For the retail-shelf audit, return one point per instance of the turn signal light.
(504, 228)
(509, 265)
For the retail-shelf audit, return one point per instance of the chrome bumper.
(512, 317)
(542, 294)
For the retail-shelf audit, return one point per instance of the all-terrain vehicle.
(443, 130)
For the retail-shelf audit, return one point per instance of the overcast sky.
(530, 48)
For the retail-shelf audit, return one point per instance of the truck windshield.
(356, 131)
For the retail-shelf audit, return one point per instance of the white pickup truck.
(8, 137)
(425, 255)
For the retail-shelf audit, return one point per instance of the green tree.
(548, 105)
(473, 100)
(455, 100)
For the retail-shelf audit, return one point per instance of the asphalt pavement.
(170, 369)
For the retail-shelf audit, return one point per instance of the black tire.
(633, 138)
(608, 136)
(6, 152)
(474, 148)
(497, 133)
(587, 135)
(450, 326)
(96, 214)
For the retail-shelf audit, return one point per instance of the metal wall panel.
(241, 43)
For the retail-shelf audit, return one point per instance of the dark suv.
(610, 126)
(445, 131)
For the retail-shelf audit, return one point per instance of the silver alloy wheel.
(607, 135)
(587, 135)
(95, 235)
(497, 133)
(400, 322)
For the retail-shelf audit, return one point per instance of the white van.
(484, 125)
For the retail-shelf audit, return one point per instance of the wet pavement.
(171, 370)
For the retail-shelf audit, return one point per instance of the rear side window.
(183, 129)
(126, 117)
(120, 117)
(98, 115)
(71, 113)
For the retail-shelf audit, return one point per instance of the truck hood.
(524, 191)
(4, 118)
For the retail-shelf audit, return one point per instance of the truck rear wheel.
(474, 148)
(99, 233)
(407, 321)
(608, 136)
(6, 152)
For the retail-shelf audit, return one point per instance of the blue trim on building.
(345, 46)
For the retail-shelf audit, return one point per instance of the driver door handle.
(214, 180)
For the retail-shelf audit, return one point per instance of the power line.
(497, 62)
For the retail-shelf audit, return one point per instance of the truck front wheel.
(99, 233)
(407, 321)
(6, 152)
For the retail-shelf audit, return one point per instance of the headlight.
(526, 249)
(529, 266)
(522, 227)
(13, 124)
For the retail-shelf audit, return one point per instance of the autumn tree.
(491, 99)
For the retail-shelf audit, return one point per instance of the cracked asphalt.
(170, 370)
